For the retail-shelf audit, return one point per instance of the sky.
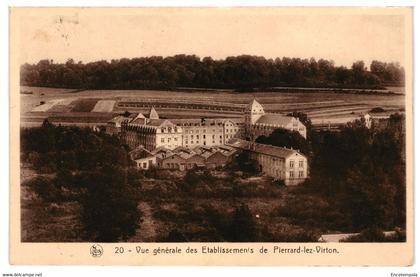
(341, 35)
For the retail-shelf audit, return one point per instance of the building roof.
(158, 122)
(139, 115)
(280, 152)
(153, 114)
(205, 121)
(182, 149)
(139, 120)
(140, 153)
(275, 119)
(119, 119)
(161, 149)
(254, 107)
(202, 149)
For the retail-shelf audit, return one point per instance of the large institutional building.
(184, 143)
(151, 132)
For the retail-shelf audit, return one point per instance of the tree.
(45, 188)
(109, 207)
(286, 138)
(244, 72)
(242, 227)
(246, 163)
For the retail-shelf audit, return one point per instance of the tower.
(253, 112)
(153, 114)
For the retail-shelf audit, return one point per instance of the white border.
(169, 271)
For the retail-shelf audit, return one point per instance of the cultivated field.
(322, 107)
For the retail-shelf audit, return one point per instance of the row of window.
(163, 129)
(292, 174)
(204, 142)
(292, 163)
(169, 140)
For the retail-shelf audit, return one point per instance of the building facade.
(258, 122)
(151, 132)
(281, 163)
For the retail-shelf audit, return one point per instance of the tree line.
(191, 71)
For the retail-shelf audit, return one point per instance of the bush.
(45, 188)
(377, 110)
(376, 235)
(175, 236)
(109, 207)
(242, 228)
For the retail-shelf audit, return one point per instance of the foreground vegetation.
(83, 187)
(189, 71)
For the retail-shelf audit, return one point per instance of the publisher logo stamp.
(96, 250)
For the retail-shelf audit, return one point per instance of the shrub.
(242, 228)
(45, 188)
(377, 110)
(175, 236)
(109, 206)
(374, 234)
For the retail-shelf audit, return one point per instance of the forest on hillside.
(190, 71)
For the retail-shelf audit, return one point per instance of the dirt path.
(147, 230)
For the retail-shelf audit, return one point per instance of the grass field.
(320, 106)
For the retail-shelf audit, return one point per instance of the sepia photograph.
(212, 125)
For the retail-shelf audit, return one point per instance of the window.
(292, 164)
(204, 143)
(300, 174)
(192, 137)
(198, 136)
(291, 174)
(300, 163)
(204, 136)
(204, 130)
(144, 165)
(213, 136)
(186, 142)
(175, 139)
(169, 139)
(221, 137)
(162, 140)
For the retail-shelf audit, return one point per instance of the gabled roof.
(153, 114)
(202, 149)
(140, 153)
(182, 149)
(118, 119)
(159, 122)
(254, 107)
(182, 156)
(161, 149)
(275, 119)
(275, 151)
(139, 115)
(139, 120)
